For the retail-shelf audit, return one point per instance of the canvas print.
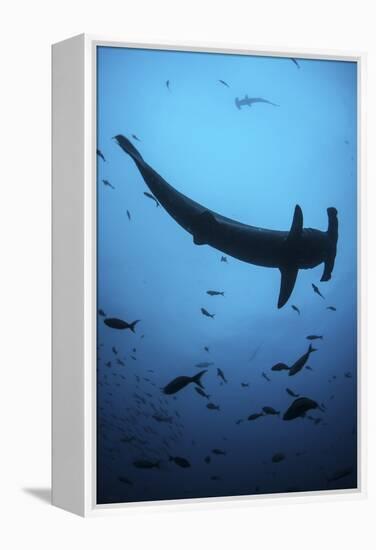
(226, 275)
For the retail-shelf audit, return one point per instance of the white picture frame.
(74, 276)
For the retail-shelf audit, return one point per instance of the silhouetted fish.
(181, 382)
(218, 452)
(180, 461)
(215, 293)
(119, 324)
(207, 314)
(212, 407)
(108, 184)
(244, 384)
(168, 85)
(206, 348)
(299, 364)
(332, 308)
(249, 101)
(299, 407)
(221, 375)
(316, 290)
(278, 457)
(270, 410)
(255, 416)
(207, 459)
(296, 309)
(146, 464)
(314, 337)
(101, 313)
(279, 367)
(150, 196)
(135, 137)
(224, 259)
(114, 350)
(162, 418)
(265, 376)
(204, 365)
(129, 215)
(123, 479)
(224, 83)
(100, 154)
(295, 62)
(201, 392)
(290, 392)
(340, 474)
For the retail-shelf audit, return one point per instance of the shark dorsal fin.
(297, 224)
(288, 278)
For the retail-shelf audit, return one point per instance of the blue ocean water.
(253, 165)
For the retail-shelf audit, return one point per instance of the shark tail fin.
(197, 378)
(128, 147)
(311, 349)
(237, 103)
(289, 273)
(332, 235)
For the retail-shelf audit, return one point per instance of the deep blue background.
(252, 165)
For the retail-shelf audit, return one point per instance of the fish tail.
(128, 148)
(311, 349)
(132, 325)
(197, 378)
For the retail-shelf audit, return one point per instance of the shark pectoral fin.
(288, 278)
(203, 226)
(297, 224)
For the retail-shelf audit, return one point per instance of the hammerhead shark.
(249, 101)
(288, 251)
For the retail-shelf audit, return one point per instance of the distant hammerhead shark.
(249, 101)
(288, 251)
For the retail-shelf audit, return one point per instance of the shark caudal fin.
(332, 235)
(289, 273)
(128, 147)
(237, 103)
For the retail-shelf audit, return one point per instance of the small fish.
(314, 337)
(265, 376)
(279, 367)
(239, 421)
(290, 392)
(146, 464)
(348, 375)
(270, 410)
(168, 85)
(299, 364)
(123, 479)
(317, 291)
(215, 478)
(207, 459)
(278, 457)
(224, 259)
(299, 407)
(120, 362)
(308, 367)
(255, 416)
(101, 313)
(201, 392)
(218, 452)
(213, 407)
(224, 83)
(215, 293)
(135, 137)
(244, 384)
(254, 353)
(108, 364)
(181, 382)
(204, 365)
(150, 196)
(108, 184)
(119, 324)
(180, 461)
(339, 474)
(332, 308)
(207, 314)
(206, 348)
(296, 309)
(129, 215)
(295, 62)
(115, 351)
(221, 375)
(100, 154)
(162, 418)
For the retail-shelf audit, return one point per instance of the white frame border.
(91, 508)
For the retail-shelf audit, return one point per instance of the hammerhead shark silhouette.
(249, 101)
(288, 251)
